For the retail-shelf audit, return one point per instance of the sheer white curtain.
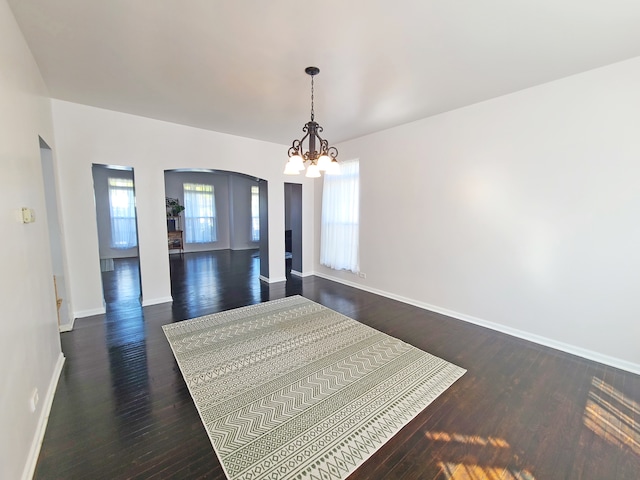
(122, 208)
(255, 213)
(339, 238)
(199, 213)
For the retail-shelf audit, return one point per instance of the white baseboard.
(89, 313)
(36, 444)
(302, 275)
(66, 327)
(272, 280)
(531, 337)
(156, 301)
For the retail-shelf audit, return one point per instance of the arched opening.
(216, 225)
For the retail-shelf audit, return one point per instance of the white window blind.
(199, 213)
(122, 208)
(339, 238)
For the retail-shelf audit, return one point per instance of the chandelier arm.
(324, 146)
(304, 138)
(296, 147)
(323, 143)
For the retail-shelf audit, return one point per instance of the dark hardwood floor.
(522, 411)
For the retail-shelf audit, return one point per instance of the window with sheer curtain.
(339, 240)
(199, 213)
(255, 213)
(122, 209)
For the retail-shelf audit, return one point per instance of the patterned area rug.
(290, 389)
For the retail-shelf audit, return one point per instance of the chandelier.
(322, 159)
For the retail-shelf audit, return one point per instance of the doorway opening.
(215, 220)
(114, 191)
(293, 228)
(65, 316)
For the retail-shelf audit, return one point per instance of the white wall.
(30, 342)
(521, 212)
(86, 135)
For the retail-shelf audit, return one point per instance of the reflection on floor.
(486, 458)
(522, 411)
(469, 440)
(121, 284)
(209, 281)
(461, 471)
(613, 416)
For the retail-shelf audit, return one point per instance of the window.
(255, 213)
(340, 218)
(199, 213)
(122, 208)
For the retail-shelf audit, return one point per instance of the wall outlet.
(362, 275)
(33, 401)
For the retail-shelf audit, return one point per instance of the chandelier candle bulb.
(323, 159)
(333, 168)
(313, 171)
(298, 162)
(323, 163)
(291, 169)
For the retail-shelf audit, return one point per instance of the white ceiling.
(237, 66)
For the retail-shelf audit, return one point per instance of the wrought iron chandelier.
(323, 159)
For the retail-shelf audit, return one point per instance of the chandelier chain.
(312, 112)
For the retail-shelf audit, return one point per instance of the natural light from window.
(255, 213)
(462, 471)
(339, 236)
(455, 460)
(199, 213)
(122, 208)
(468, 439)
(613, 416)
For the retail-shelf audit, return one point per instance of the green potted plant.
(173, 213)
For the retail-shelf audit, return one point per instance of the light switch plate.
(28, 215)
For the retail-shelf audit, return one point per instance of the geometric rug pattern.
(289, 389)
